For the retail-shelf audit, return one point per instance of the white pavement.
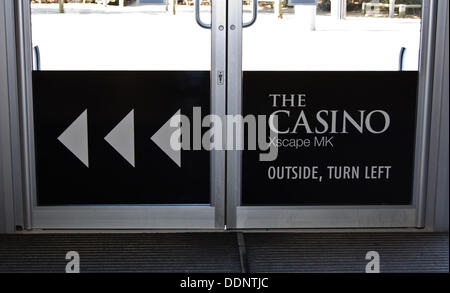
(146, 37)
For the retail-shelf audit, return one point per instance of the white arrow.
(162, 138)
(75, 138)
(121, 138)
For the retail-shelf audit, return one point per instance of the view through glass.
(332, 35)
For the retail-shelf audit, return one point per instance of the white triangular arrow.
(121, 138)
(163, 135)
(75, 138)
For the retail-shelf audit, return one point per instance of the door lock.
(220, 77)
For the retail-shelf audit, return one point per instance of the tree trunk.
(391, 8)
(61, 6)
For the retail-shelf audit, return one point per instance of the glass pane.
(318, 37)
(109, 79)
(142, 35)
(341, 77)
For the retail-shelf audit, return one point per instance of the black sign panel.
(119, 164)
(346, 138)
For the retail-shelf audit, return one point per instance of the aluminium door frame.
(373, 216)
(20, 95)
(208, 216)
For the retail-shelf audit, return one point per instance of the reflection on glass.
(333, 35)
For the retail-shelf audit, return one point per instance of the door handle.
(254, 14)
(400, 58)
(208, 25)
(37, 58)
(197, 16)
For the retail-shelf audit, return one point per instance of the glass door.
(332, 96)
(118, 87)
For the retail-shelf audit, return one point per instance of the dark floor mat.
(159, 252)
(346, 252)
(219, 252)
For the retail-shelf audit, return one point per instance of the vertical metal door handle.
(400, 58)
(197, 16)
(254, 14)
(37, 56)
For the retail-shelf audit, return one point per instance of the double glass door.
(226, 114)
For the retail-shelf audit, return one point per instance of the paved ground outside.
(146, 37)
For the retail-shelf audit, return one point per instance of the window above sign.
(329, 35)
